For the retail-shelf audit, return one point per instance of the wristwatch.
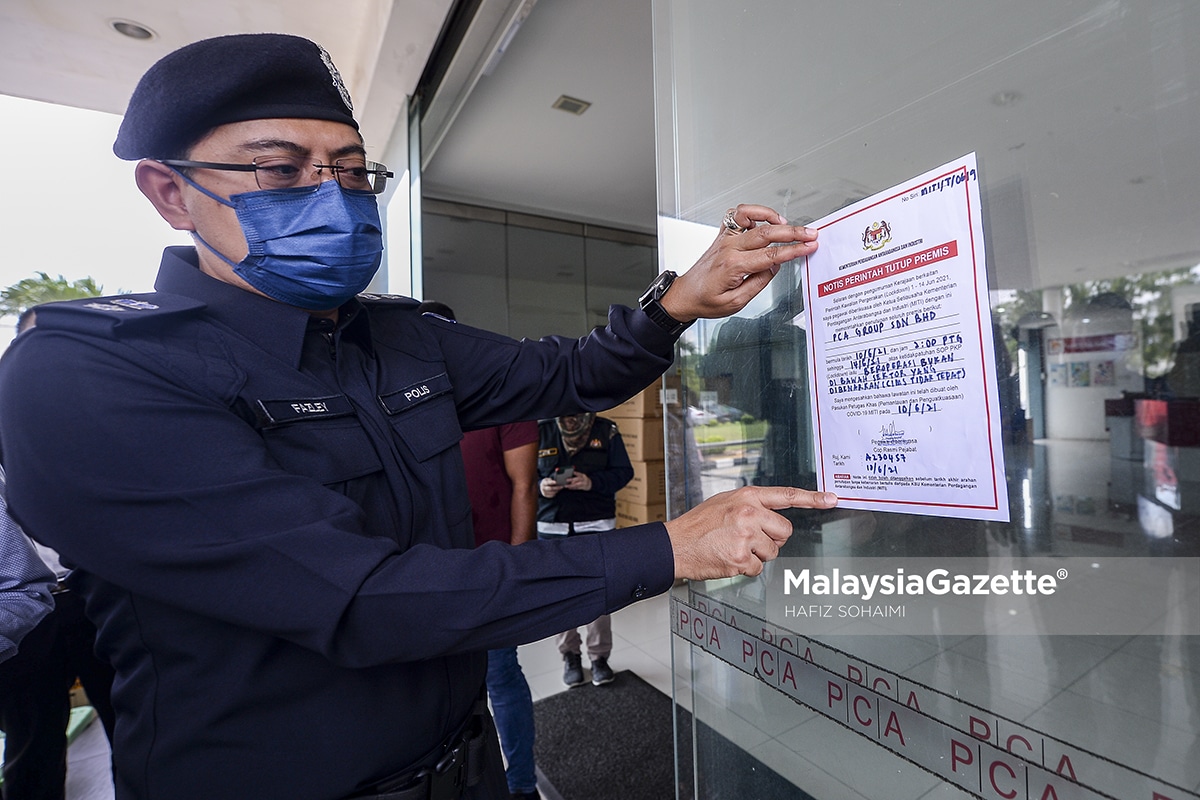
(651, 303)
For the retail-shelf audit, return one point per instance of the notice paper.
(904, 400)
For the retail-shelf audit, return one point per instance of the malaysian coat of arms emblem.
(877, 235)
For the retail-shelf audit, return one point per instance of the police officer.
(582, 463)
(255, 473)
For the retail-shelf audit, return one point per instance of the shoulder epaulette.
(105, 315)
(397, 301)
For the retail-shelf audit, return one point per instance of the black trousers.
(35, 699)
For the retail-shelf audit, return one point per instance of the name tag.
(549, 451)
(302, 409)
(416, 393)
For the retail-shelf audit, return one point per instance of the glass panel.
(464, 267)
(546, 283)
(1085, 118)
(524, 281)
(617, 273)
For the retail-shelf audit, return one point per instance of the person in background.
(25, 584)
(501, 465)
(581, 463)
(35, 684)
(254, 470)
(35, 693)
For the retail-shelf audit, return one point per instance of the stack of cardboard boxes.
(640, 420)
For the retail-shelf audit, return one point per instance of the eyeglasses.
(289, 172)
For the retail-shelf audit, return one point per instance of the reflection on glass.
(748, 395)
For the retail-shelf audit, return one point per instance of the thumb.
(757, 281)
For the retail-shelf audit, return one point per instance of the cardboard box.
(649, 403)
(643, 437)
(646, 403)
(629, 514)
(672, 391)
(649, 484)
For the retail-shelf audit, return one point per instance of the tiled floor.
(641, 643)
(89, 776)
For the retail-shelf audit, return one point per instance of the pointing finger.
(791, 497)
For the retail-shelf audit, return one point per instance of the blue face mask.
(310, 248)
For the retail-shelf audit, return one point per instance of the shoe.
(573, 670)
(601, 672)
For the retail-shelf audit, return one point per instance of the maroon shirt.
(488, 485)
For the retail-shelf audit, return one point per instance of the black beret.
(235, 78)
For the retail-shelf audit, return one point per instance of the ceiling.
(507, 146)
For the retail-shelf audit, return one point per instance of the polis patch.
(415, 394)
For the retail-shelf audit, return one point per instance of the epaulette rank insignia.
(122, 304)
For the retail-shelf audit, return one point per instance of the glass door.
(1085, 120)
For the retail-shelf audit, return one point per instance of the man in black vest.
(582, 463)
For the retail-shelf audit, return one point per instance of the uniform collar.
(275, 327)
(352, 322)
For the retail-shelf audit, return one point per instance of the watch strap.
(659, 315)
(652, 305)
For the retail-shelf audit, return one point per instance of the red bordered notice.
(905, 406)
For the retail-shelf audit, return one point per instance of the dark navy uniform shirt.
(268, 517)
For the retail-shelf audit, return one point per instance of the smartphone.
(563, 474)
